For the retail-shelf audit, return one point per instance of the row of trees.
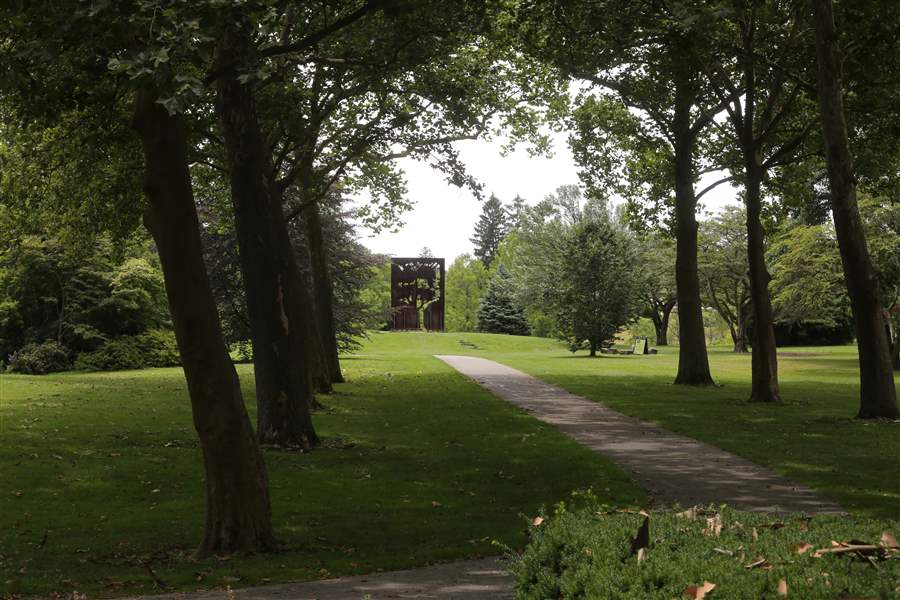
(260, 110)
(676, 90)
(252, 115)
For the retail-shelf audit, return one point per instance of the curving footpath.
(671, 467)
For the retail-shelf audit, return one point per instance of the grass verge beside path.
(811, 438)
(102, 481)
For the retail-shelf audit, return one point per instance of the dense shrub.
(153, 348)
(38, 359)
(587, 553)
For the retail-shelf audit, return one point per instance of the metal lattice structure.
(417, 294)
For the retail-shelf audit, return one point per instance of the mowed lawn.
(812, 437)
(101, 486)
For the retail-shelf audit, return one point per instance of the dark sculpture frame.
(417, 294)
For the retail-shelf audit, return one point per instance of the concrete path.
(671, 467)
(480, 579)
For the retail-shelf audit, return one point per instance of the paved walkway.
(480, 579)
(671, 467)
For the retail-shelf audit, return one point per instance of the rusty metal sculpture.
(417, 294)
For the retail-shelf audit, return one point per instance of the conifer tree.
(489, 230)
(499, 312)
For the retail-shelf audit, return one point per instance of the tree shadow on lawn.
(439, 468)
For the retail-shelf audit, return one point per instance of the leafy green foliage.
(489, 230)
(585, 552)
(79, 297)
(153, 348)
(499, 311)
(467, 281)
(723, 270)
(577, 266)
(39, 359)
(807, 277)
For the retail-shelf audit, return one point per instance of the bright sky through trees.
(444, 215)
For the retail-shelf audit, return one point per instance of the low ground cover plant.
(596, 552)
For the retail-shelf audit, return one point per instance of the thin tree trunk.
(878, 394)
(662, 331)
(238, 513)
(693, 362)
(764, 364)
(283, 385)
(322, 288)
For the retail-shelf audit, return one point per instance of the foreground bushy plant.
(153, 348)
(590, 553)
(39, 359)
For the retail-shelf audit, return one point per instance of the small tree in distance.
(489, 230)
(499, 312)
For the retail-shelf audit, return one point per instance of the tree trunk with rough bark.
(878, 393)
(693, 361)
(304, 281)
(323, 291)
(764, 362)
(283, 385)
(238, 512)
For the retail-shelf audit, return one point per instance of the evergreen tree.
(516, 212)
(499, 312)
(489, 230)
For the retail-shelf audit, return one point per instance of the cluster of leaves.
(575, 264)
(152, 348)
(39, 359)
(499, 311)
(592, 552)
(78, 296)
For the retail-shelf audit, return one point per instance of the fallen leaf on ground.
(889, 541)
(755, 534)
(690, 513)
(782, 588)
(436, 504)
(713, 526)
(537, 521)
(803, 548)
(641, 554)
(698, 592)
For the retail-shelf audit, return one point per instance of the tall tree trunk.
(283, 385)
(238, 512)
(303, 279)
(739, 331)
(322, 288)
(764, 363)
(693, 362)
(878, 394)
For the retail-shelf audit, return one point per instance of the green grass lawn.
(811, 438)
(101, 480)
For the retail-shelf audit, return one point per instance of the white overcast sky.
(443, 216)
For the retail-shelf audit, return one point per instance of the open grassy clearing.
(101, 478)
(811, 438)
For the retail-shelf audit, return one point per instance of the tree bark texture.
(303, 279)
(238, 512)
(323, 290)
(878, 393)
(283, 385)
(764, 361)
(693, 361)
